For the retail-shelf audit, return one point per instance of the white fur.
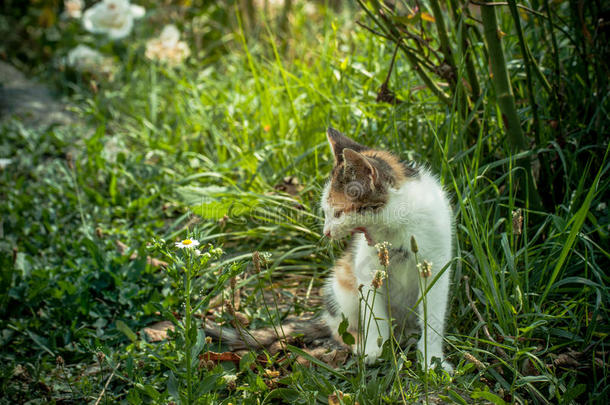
(419, 208)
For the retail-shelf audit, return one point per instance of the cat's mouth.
(363, 230)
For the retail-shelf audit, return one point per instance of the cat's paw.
(372, 354)
(444, 364)
(447, 367)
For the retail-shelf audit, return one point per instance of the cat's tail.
(293, 329)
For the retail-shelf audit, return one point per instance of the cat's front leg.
(374, 328)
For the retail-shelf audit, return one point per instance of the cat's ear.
(358, 167)
(338, 142)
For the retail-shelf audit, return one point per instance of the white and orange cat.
(376, 198)
(372, 195)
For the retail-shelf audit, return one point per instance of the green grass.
(212, 138)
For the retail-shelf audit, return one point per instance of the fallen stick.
(500, 351)
(106, 385)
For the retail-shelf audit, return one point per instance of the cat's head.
(359, 187)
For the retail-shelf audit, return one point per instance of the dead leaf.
(569, 359)
(158, 331)
(123, 248)
(271, 373)
(427, 17)
(277, 346)
(155, 262)
(289, 185)
(20, 371)
(333, 358)
(341, 398)
(216, 357)
(385, 95)
(334, 399)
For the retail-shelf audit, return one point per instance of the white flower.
(5, 162)
(112, 17)
(229, 378)
(112, 147)
(425, 269)
(84, 59)
(73, 8)
(187, 244)
(601, 206)
(167, 47)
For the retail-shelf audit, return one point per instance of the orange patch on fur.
(344, 273)
(339, 201)
(398, 170)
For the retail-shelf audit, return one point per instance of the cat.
(378, 199)
(375, 197)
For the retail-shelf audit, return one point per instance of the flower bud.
(414, 247)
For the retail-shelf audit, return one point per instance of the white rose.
(167, 47)
(73, 8)
(84, 59)
(112, 17)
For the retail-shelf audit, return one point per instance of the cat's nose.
(327, 234)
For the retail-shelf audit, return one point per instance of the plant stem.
(187, 330)
(512, 5)
(504, 93)
(392, 337)
(506, 100)
(422, 289)
(442, 35)
(466, 48)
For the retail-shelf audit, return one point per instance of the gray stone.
(31, 102)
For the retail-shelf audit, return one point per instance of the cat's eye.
(372, 207)
(338, 213)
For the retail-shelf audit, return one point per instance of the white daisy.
(187, 244)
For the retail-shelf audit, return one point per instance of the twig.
(500, 351)
(385, 94)
(372, 31)
(106, 385)
(433, 86)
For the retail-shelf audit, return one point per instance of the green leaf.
(577, 223)
(455, 397)
(343, 325)
(198, 344)
(150, 391)
(290, 396)
(348, 338)
(246, 361)
(215, 202)
(172, 386)
(574, 392)
(207, 384)
(40, 342)
(488, 396)
(112, 189)
(120, 325)
(315, 361)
